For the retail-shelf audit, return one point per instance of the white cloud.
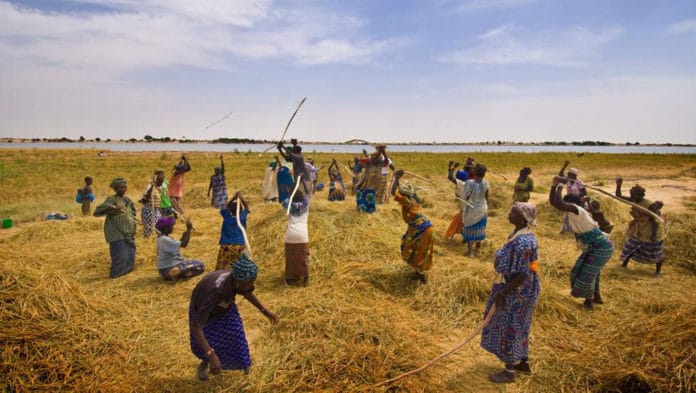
(686, 26)
(507, 45)
(132, 35)
(475, 5)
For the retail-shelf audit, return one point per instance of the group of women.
(216, 331)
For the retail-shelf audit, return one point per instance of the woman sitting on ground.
(215, 327)
(507, 334)
(595, 244)
(171, 265)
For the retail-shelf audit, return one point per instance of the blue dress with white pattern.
(507, 334)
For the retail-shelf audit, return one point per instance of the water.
(348, 148)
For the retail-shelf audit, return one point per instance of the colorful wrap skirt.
(336, 191)
(417, 245)
(584, 277)
(226, 336)
(382, 194)
(642, 252)
(366, 200)
(476, 232)
(296, 260)
(228, 254)
(122, 257)
(188, 269)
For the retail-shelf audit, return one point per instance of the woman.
(285, 181)
(297, 239)
(336, 190)
(176, 184)
(417, 242)
(119, 228)
(523, 186)
(366, 189)
(596, 246)
(218, 186)
(232, 243)
(170, 264)
(385, 164)
(507, 334)
(475, 209)
(270, 181)
(216, 331)
(645, 234)
(150, 211)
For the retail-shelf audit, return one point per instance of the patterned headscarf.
(527, 210)
(117, 182)
(164, 222)
(244, 269)
(406, 189)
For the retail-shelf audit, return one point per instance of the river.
(351, 148)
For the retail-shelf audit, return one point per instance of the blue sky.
(380, 70)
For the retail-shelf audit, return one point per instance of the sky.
(380, 70)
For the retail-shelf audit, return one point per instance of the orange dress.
(417, 242)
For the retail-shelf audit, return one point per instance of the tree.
(148, 138)
(82, 138)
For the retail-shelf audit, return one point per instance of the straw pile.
(361, 320)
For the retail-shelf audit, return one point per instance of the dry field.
(67, 327)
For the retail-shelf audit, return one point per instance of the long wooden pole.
(458, 347)
(292, 196)
(637, 206)
(287, 126)
(241, 227)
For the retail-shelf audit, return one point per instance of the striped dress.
(596, 251)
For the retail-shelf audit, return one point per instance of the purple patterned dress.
(507, 335)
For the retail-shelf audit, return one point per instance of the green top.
(165, 201)
(118, 225)
(521, 193)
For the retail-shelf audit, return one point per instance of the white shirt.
(581, 222)
(297, 231)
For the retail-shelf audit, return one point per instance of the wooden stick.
(292, 196)
(153, 228)
(287, 126)
(419, 177)
(458, 347)
(496, 173)
(241, 227)
(465, 201)
(637, 206)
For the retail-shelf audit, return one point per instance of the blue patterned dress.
(507, 335)
(219, 197)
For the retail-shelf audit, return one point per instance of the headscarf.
(244, 269)
(164, 222)
(573, 171)
(527, 170)
(272, 164)
(117, 182)
(159, 170)
(406, 189)
(527, 210)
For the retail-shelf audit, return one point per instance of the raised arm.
(187, 166)
(284, 151)
(619, 183)
(450, 171)
(187, 234)
(555, 198)
(562, 171)
(222, 165)
(397, 177)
